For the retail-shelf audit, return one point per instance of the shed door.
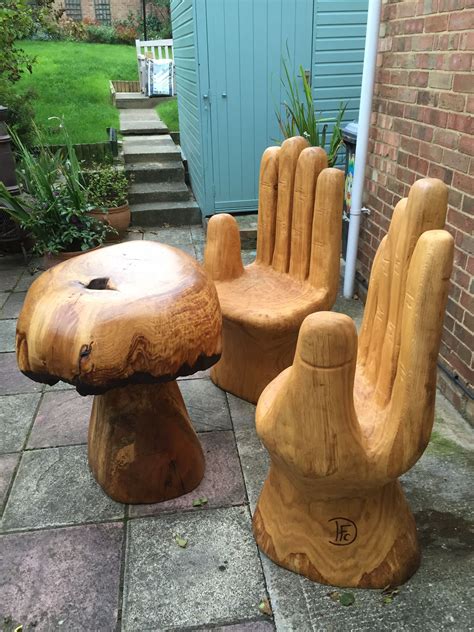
(245, 42)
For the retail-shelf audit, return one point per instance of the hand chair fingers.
(222, 258)
(267, 205)
(326, 233)
(311, 162)
(288, 158)
(414, 390)
(425, 210)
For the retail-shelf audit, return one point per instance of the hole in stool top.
(163, 320)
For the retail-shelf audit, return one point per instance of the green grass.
(168, 113)
(71, 80)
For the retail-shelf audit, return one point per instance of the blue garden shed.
(228, 66)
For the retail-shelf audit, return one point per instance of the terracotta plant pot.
(51, 260)
(118, 217)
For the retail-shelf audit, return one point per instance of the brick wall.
(422, 125)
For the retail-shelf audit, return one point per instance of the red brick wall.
(422, 125)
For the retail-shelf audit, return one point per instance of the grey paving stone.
(252, 626)
(206, 404)
(62, 579)
(222, 484)
(12, 308)
(16, 417)
(198, 235)
(59, 386)
(27, 279)
(199, 249)
(352, 307)
(4, 296)
(54, 487)
(216, 579)
(133, 235)
(196, 376)
(7, 335)
(254, 460)
(170, 236)
(9, 277)
(12, 380)
(62, 419)
(241, 412)
(8, 463)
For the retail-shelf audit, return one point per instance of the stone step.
(167, 171)
(141, 122)
(142, 192)
(166, 213)
(137, 100)
(150, 149)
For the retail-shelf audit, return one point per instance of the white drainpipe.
(367, 89)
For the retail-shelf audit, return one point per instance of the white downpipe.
(367, 89)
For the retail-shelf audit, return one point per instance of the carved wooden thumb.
(340, 429)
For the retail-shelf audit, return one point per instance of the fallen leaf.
(387, 599)
(199, 502)
(18, 629)
(182, 542)
(347, 599)
(334, 595)
(265, 607)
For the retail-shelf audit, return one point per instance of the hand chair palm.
(296, 271)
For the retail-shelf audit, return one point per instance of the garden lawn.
(71, 80)
(168, 113)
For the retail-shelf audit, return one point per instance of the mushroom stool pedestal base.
(364, 541)
(142, 446)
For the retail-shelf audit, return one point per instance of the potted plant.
(53, 207)
(107, 189)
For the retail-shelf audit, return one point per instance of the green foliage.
(72, 81)
(54, 204)
(168, 113)
(106, 185)
(21, 113)
(16, 23)
(299, 115)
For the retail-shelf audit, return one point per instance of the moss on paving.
(71, 80)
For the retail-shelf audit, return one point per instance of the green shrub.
(107, 186)
(16, 23)
(20, 117)
(100, 33)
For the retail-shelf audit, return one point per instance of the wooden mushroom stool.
(122, 323)
(350, 416)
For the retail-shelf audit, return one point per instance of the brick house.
(422, 125)
(104, 11)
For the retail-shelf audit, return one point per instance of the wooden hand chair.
(343, 423)
(296, 271)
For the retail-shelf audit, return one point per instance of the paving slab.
(221, 486)
(7, 335)
(141, 121)
(252, 626)
(54, 487)
(62, 419)
(206, 404)
(198, 234)
(242, 413)
(8, 463)
(12, 380)
(16, 416)
(216, 579)
(9, 278)
(171, 236)
(12, 307)
(62, 579)
(27, 279)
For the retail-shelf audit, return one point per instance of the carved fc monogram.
(346, 531)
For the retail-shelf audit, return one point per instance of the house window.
(73, 9)
(102, 11)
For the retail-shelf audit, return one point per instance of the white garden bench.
(152, 49)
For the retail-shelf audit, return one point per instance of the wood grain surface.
(351, 415)
(296, 271)
(136, 312)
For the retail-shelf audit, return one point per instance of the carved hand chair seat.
(351, 415)
(296, 271)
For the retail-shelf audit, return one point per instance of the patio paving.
(72, 559)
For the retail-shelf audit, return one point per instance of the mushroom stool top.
(134, 313)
